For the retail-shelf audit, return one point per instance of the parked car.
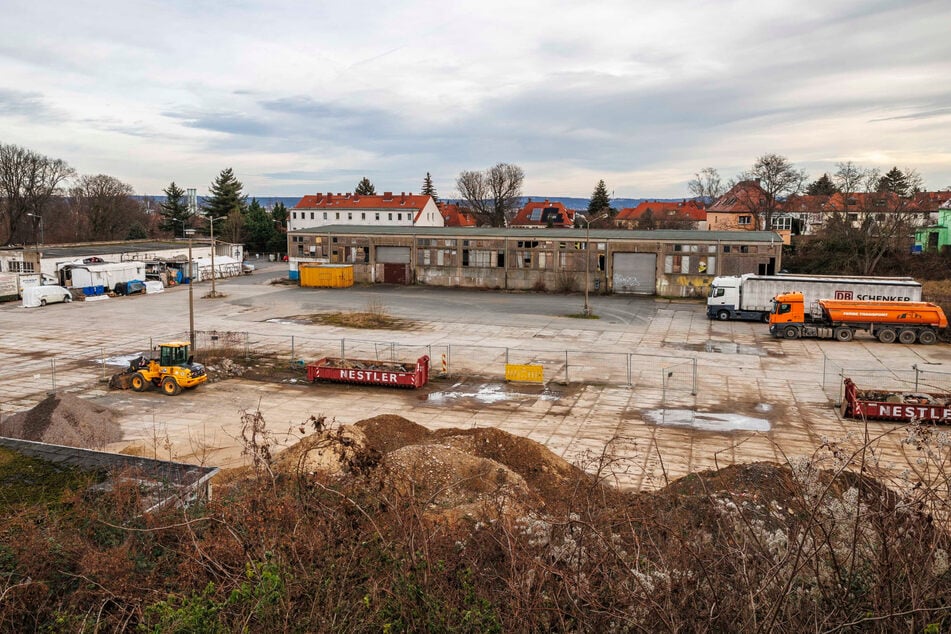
(43, 295)
(247, 268)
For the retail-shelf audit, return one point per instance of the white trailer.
(750, 297)
(106, 274)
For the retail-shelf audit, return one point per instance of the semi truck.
(888, 321)
(750, 297)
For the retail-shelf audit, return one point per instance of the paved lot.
(756, 398)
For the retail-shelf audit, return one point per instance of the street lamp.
(212, 221)
(40, 218)
(191, 297)
(587, 258)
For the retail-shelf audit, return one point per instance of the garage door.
(635, 272)
(392, 255)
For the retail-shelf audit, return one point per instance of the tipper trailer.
(905, 322)
(750, 297)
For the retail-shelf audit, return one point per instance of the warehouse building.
(666, 263)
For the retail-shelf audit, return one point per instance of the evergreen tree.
(279, 214)
(365, 188)
(894, 181)
(174, 210)
(600, 200)
(428, 188)
(823, 186)
(258, 228)
(226, 196)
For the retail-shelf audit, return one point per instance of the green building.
(936, 237)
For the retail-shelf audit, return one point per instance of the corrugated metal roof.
(665, 235)
(100, 248)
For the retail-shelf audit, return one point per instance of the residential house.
(454, 215)
(544, 214)
(735, 210)
(685, 214)
(387, 210)
(936, 237)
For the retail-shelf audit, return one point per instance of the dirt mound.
(389, 432)
(453, 472)
(332, 451)
(64, 419)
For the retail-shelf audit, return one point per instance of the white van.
(43, 295)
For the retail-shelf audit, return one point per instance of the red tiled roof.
(659, 209)
(455, 216)
(539, 214)
(738, 199)
(354, 201)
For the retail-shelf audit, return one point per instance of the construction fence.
(915, 378)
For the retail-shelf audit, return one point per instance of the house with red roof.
(455, 216)
(403, 210)
(655, 214)
(544, 214)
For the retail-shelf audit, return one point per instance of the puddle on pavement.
(708, 421)
(485, 394)
(722, 347)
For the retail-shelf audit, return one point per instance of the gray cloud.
(227, 122)
(18, 103)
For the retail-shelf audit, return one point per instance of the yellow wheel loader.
(172, 371)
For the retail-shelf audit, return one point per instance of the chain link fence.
(95, 364)
(917, 378)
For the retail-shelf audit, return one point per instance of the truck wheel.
(907, 336)
(843, 334)
(791, 332)
(139, 383)
(887, 335)
(170, 386)
(43, 302)
(723, 315)
(927, 337)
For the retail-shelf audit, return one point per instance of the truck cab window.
(784, 308)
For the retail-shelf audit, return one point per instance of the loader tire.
(170, 386)
(139, 382)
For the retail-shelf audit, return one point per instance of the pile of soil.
(64, 419)
(453, 472)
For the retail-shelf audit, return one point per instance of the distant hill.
(569, 202)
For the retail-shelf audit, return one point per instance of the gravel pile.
(64, 419)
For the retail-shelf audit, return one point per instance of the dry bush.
(813, 545)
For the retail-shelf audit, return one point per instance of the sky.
(306, 97)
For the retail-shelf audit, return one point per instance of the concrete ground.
(652, 391)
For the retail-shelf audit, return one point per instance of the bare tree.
(28, 182)
(706, 184)
(105, 208)
(867, 222)
(494, 193)
(777, 178)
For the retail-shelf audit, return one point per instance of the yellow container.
(326, 275)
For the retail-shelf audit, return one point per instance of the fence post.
(448, 361)
(102, 355)
(506, 356)
(567, 380)
(53, 371)
(292, 348)
(694, 391)
(630, 380)
(247, 345)
(343, 348)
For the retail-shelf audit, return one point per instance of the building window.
(378, 215)
(17, 266)
(293, 215)
(311, 215)
(399, 217)
(325, 215)
(363, 215)
(782, 223)
(744, 220)
(390, 216)
(349, 216)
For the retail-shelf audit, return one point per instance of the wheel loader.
(172, 371)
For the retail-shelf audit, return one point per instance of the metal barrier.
(917, 378)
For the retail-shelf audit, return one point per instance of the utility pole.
(191, 295)
(587, 259)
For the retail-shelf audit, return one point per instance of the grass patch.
(374, 317)
(583, 316)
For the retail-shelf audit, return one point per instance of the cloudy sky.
(302, 97)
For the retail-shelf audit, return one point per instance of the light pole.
(587, 259)
(212, 221)
(191, 297)
(40, 218)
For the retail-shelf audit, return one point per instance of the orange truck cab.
(905, 322)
